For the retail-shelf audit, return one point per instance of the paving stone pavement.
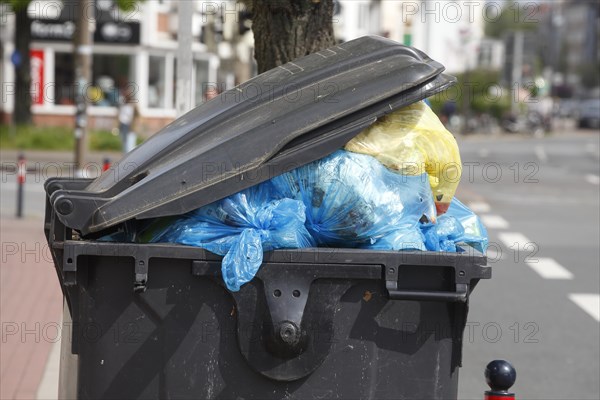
(30, 308)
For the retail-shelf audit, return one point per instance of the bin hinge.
(391, 278)
(69, 266)
(141, 272)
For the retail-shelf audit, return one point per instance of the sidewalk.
(30, 311)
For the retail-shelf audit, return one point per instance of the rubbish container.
(155, 320)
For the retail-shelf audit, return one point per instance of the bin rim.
(254, 132)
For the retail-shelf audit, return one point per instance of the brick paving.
(30, 307)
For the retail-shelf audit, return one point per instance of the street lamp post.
(517, 70)
(83, 75)
(184, 58)
(465, 38)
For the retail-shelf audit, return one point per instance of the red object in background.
(105, 164)
(21, 169)
(21, 173)
(37, 76)
(500, 375)
(496, 397)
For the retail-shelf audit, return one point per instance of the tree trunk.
(288, 29)
(22, 107)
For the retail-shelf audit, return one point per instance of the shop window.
(156, 82)
(363, 16)
(112, 74)
(202, 85)
(174, 105)
(64, 90)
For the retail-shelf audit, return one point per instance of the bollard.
(21, 173)
(500, 375)
(105, 164)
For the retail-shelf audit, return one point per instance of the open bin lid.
(284, 118)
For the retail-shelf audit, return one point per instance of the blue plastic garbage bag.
(343, 200)
(352, 200)
(458, 225)
(241, 227)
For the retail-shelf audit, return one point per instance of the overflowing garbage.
(457, 225)
(241, 227)
(391, 188)
(352, 200)
(413, 141)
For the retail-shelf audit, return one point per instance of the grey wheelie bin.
(156, 321)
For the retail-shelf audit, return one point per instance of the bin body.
(187, 336)
(155, 320)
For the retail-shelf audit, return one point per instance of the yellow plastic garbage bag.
(412, 141)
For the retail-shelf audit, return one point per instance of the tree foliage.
(481, 88)
(127, 5)
(17, 5)
(513, 17)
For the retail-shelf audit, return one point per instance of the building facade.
(134, 50)
(581, 46)
(138, 48)
(450, 32)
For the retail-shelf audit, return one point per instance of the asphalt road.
(33, 195)
(540, 201)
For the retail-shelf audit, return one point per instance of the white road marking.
(593, 179)
(591, 148)
(494, 254)
(540, 153)
(48, 388)
(590, 303)
(548, 268)
(479, 206)
(494, 221)
(511, 238)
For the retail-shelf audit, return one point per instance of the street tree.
(288, 29)
(22, 103)
(513, 17)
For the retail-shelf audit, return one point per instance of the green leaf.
(127, 5)
(17, 5)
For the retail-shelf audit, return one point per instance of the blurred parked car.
(533, 123)
(567, 108)
(588, 114)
